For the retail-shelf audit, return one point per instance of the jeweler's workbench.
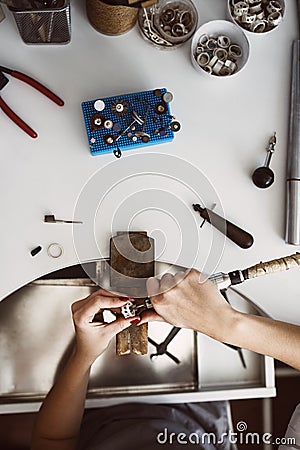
(225, 127)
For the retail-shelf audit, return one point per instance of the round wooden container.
(111, 19)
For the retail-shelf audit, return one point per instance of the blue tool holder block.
(139, 102)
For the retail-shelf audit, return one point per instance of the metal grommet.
(274, 6)
(212, 62)
(231, 65)
(175, 126)
(203, 59)
(217, 67)
(258, 26)
(145, 138)
(274, 19)
(256, 9)
(97, 121)
(54, 250)
(134, 138)
(225, 71)
(168, 16)
(207, 69)
(203, 40)
(178, 30)
(108, 124)
(249, 18)
(221, 54)
(109, 139)
(186, 18)
(235, 51)
(199, 49)
(167, 97)
(212, 44)
(260, 16)
(120, 107)
(160, 108)
(224, 41)
(240, 9)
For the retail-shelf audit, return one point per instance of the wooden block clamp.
(131, 263)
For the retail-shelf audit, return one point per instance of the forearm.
(61, 413)
(270, 337)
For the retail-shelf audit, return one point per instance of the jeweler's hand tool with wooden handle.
(233, 232)
(225, 280)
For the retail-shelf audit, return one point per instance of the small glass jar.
(170, 23)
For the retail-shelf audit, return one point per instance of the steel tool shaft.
(293, 158)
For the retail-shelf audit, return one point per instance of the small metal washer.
(54, 250)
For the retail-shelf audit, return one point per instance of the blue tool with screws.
(129, 121)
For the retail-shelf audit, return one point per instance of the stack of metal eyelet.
(258, 16)
(217, 55)
(169, 24)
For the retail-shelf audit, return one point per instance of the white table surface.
(226, 125)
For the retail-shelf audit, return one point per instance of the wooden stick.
(276, 265)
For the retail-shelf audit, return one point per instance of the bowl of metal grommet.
(169, 23)
(219, 49)
(257, 16)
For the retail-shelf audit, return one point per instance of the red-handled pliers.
(35, 84)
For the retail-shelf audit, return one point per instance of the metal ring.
(221, 53)
(224, 41)
(274, 6)
(217, 67)
(274, 19)
(212, 43)
(207, 69)
(199, 49)
(235, 51)
(212, 62)
(260, 16)
(203, 40)
(256, 9)
(54, 250)
(231, 65)
(249, 18)
(240, 8)
(178, 30)
(203, 59)
(258, 26)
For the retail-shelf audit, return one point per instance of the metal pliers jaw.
(36, 85)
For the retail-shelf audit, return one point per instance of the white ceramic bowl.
(217, 28)
(247, 28)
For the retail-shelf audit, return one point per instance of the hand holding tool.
(224, 280)
(233, 232)
(36, 85)
(263, 177)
